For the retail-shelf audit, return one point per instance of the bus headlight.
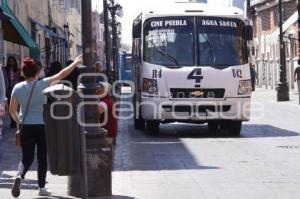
(150, 85)
(244, 87)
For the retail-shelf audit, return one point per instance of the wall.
(266, 45)
(75, 40)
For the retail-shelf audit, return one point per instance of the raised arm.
(66, 71)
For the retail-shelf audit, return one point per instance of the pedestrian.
(2, 99)
(72, 79)
(32, 126)
(55, 67)
(253, 77)
(297, 79)
(99, 71)
(41, 68)
(106, 108)
(13, 76)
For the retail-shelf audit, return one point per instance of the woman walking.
(28, 95)
(13, 76)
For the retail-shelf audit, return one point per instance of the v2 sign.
(237, 73)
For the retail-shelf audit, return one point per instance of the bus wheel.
(152, 127)
(213, 126)
(234, 128)
(139, 123)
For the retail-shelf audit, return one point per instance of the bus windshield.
(169, 38)
(219, 41)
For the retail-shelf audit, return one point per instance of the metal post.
(282, 89)
(298, 32)
(106, 34)
(113, 8)
(298, 43)
(98, 153)
(114, 31)
(87, 34)
(248, 8)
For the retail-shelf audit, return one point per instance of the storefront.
(13, 31)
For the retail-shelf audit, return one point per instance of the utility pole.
(87, 34)
(98, 153)
(114, 38)
(106, 35)
(283, 88)
(299, 33)
(113, 8)
(97, 150)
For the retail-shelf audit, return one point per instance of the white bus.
(190, 64)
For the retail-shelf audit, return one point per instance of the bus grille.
(197, 109)
(197, 93)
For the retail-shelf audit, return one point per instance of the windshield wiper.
(170, 57)
(211, 48)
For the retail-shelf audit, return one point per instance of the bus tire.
(139, 122)
(213, 126)
(234, 128)
(152, 127)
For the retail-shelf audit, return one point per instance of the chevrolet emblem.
(197, 93)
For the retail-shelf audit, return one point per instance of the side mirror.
(249, 33)
(136, 51)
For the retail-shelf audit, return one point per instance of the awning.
(14, 31)
(4, 15)
(45, 28)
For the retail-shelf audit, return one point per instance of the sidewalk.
(9, 157)
(269, 95)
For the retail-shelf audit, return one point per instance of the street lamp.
(67, 37)
(98, 153)
(106, 35)
(299, 33)
(283, 88)
(115, 9)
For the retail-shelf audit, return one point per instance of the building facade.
(228, 3)
(75, 33)
(47, 22)
(264, 16)
(98, 38)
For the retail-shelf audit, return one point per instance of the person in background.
(55, 67)
(297, 79)
(99, 70)
(98, 67)
(42, 72)
(33, 128)
(253, 77)
(73, 77)
(106, 109)
(2, 99)
(13, 76)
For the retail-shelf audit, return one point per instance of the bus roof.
(193, 9)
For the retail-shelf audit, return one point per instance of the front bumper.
(237, 108)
